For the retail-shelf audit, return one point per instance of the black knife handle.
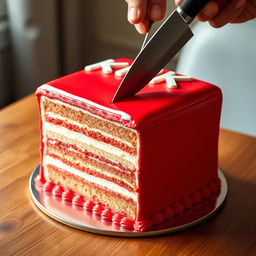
(192, 7)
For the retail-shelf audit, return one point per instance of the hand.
(141, 12)
(217, 13)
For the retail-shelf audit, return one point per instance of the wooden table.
(25, 230)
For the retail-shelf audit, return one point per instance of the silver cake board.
(76, 217)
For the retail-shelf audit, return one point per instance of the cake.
(136, 162)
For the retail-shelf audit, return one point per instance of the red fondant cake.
(136, 162)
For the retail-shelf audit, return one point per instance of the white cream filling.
(94, 158)
(107, 174)
(135, 158)
(89, 141)
(122, 114)
(98, 181)
(84, 126)
(58, 102)
(94, 168)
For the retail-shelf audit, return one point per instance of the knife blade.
(170, 37)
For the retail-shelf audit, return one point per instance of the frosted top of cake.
(93, 89)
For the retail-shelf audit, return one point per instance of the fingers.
(136, 11)
(248, 13)
(142, 27)
(230, 12)
(177, 2)
(209, 11)
(156, 9)
(219, 13)
(141, 12)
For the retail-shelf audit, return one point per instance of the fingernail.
(132, 14)
(240, 4)
(140, 28)
(155, 12)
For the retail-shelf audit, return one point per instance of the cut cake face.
(142, 159)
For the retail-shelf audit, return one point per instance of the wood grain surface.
(25, 230)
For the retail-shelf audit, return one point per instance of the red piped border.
(125, 222)
(78, 200)
(178, 207)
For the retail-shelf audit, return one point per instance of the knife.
(170, 37)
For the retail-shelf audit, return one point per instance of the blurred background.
(44, 39)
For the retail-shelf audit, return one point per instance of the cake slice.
(135, 162)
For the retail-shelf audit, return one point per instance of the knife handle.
(192, 7)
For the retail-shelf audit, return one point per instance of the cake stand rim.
(220, 200)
